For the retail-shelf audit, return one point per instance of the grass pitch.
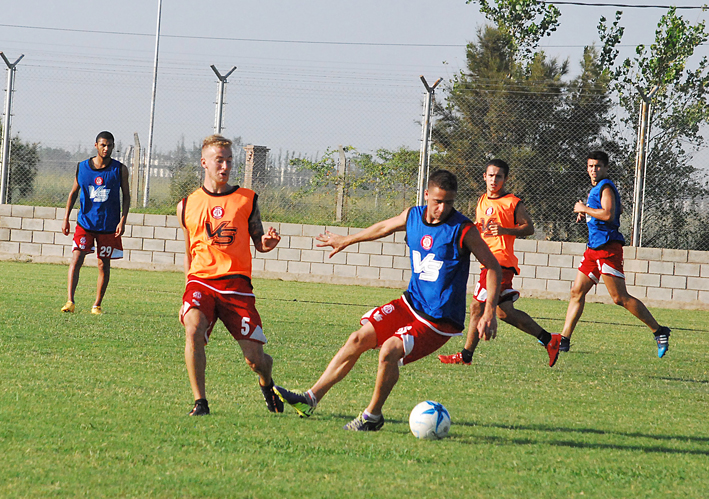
(95, 406)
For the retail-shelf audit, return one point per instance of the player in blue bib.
(430, 312)
(99, 183)
(604, 256)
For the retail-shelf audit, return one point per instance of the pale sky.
(310, 75)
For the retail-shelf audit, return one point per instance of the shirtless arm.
(263, 242)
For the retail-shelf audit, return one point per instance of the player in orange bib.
(500, 217)
(218, 219)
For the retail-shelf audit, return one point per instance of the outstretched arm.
(487, 325)
(376, 231)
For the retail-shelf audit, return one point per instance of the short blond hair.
(215, 140)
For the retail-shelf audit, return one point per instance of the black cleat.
(565, 344)
(273, 401)
(201, 408)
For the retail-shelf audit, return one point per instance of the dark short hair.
(443, 179)
(105, 135)
(499, 164)
(601, 156)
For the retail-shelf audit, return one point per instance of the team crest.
(489, 210)
(82, 242)
(426, 242)
(197, 295)
(217, 212)
(388, 308)
(98, 181)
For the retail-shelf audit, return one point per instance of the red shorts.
(109, 245)
(230, 300)
(507, 292)
(421, 337)
(608, 259)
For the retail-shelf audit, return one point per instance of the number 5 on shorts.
(245, 325)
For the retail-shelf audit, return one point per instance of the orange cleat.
(453, 359)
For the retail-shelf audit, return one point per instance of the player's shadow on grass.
(683, 380)
(557, 429)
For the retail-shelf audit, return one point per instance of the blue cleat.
(298, 401)
(662, 337)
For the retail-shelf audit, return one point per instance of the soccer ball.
(430, 421)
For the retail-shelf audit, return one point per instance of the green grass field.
(95, 406)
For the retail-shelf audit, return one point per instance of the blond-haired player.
(218, 219)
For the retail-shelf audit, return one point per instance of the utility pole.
(146, 191)
(425, 154)
(5, 173)
(641, 164)
(219, 112)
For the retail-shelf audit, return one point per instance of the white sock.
(370, 416)
(313, 401)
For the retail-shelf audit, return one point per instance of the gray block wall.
(659, 277)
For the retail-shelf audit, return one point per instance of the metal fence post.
(146, 191)
(341, 179)
(5, 174)
(219, 112)
(425, 153)
(641, 165)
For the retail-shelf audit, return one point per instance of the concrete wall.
(659, 277)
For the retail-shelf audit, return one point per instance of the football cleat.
(662, 337)
(363, 423)
(553, 349)
(201, 408)
(273, 401)
(565, 344)
(456, 358)
(96, 310)
(298, 401)
(68, 307)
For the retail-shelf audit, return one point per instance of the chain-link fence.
(303, 130)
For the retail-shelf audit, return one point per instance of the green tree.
(186, 172)
(391, 174)
(521, 23)
(680, 108)
(24, 158)
(522, 110)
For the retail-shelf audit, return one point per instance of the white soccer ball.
(430, 421)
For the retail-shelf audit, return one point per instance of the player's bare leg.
(195, 358)
(387, 374)
(522, 321)
(259, 361)
(473, 337)
(104, 275)
(344, 360)
(341, 364)
(518, 318)
(262, 364)
(619, 294)
(577, 300)
(77, 260)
